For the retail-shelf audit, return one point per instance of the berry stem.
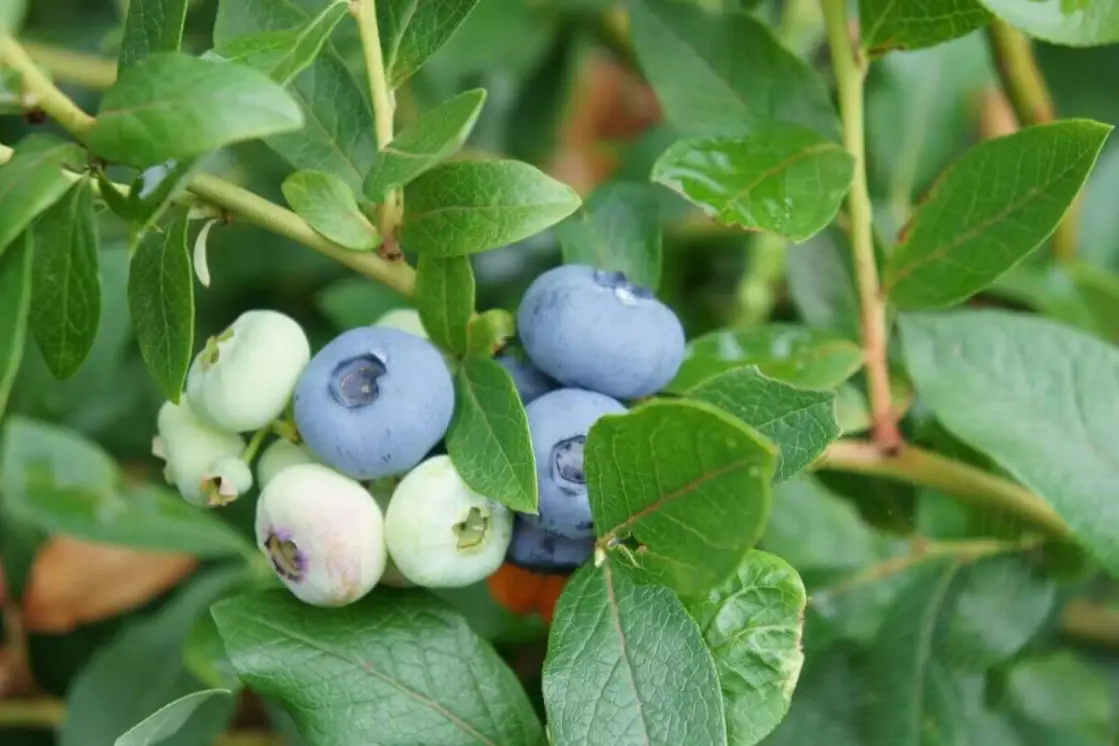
(850, 71)
(254, 444)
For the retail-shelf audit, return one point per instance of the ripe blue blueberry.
(442, 534)
(324, 534)
(559, 422)
(374, 401)
(534, 550)
(531, 382)
(597, 330)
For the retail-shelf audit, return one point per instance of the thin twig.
(365, 12)
(83, 69)
(850, 70)
(967, 550)
(1089, 621)
(927, 469)
(218, 192)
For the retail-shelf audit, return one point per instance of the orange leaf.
(74, 582)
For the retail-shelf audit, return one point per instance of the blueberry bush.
(573, 372)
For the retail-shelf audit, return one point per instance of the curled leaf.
(201, 268)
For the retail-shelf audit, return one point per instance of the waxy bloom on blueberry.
(227, 479)
(279, 456)
(559, 422)
(533, 549)
(531, 382)
(442, 534)
(244, 377)
(597, 330)
(323, 533)
(404, 319)
(192, 449)
(374, 401)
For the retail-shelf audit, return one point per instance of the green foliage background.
(934, 614)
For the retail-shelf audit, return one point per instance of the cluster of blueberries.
(335, 515)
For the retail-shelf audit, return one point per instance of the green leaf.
(145, 517)
(151, 26)
(70, 459)
(915, 697)
(15, 305)
(357, 302)
(204, 656)
(161, 301)
(390, 669)
(11, 15)
(1041, 399)
(823, 709)
(470, 206)
(103, 701)
(725, 73)
(627, 665)
(66, 299)
(1075, 23)
(814, 529)
(489, 440)
(326, 202)
(889, 25)
(993, 611)
(32, 181)
(490, 331)
(800, 422)
(445, 300)
(281, 54)
(424, 144)
(618, 229)
(1060, 690)
(822, 284)
(412, 31)
(57, 480)
(788, 182)
(338, 134)
(172, 106)
(752, 625)
(686, 482)
(989, 210)
(806, 358)
(920, 114)
(169, 719)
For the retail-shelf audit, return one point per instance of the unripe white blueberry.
(244, 377)
(279, 456)
(404, 319)
(227, 479)
(392, 576)
(323, 533)
(442, 534)
(191, 449)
